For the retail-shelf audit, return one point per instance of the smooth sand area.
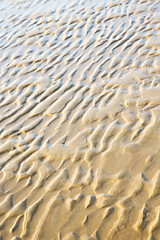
(79, 120)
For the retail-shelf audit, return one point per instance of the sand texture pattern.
(80, 120)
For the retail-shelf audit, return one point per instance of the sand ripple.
(79, 120)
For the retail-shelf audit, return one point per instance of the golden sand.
(80, 120)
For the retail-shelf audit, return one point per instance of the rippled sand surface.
(80, 120)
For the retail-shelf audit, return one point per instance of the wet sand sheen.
(79, 120)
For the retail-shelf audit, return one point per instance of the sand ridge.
(79, 120)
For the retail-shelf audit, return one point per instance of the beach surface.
(80, 120)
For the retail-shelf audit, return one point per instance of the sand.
(80, 120)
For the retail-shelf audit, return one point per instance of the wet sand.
(80, 120)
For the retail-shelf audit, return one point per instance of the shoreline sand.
(79, 120)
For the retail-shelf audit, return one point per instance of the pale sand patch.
(80, 120)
